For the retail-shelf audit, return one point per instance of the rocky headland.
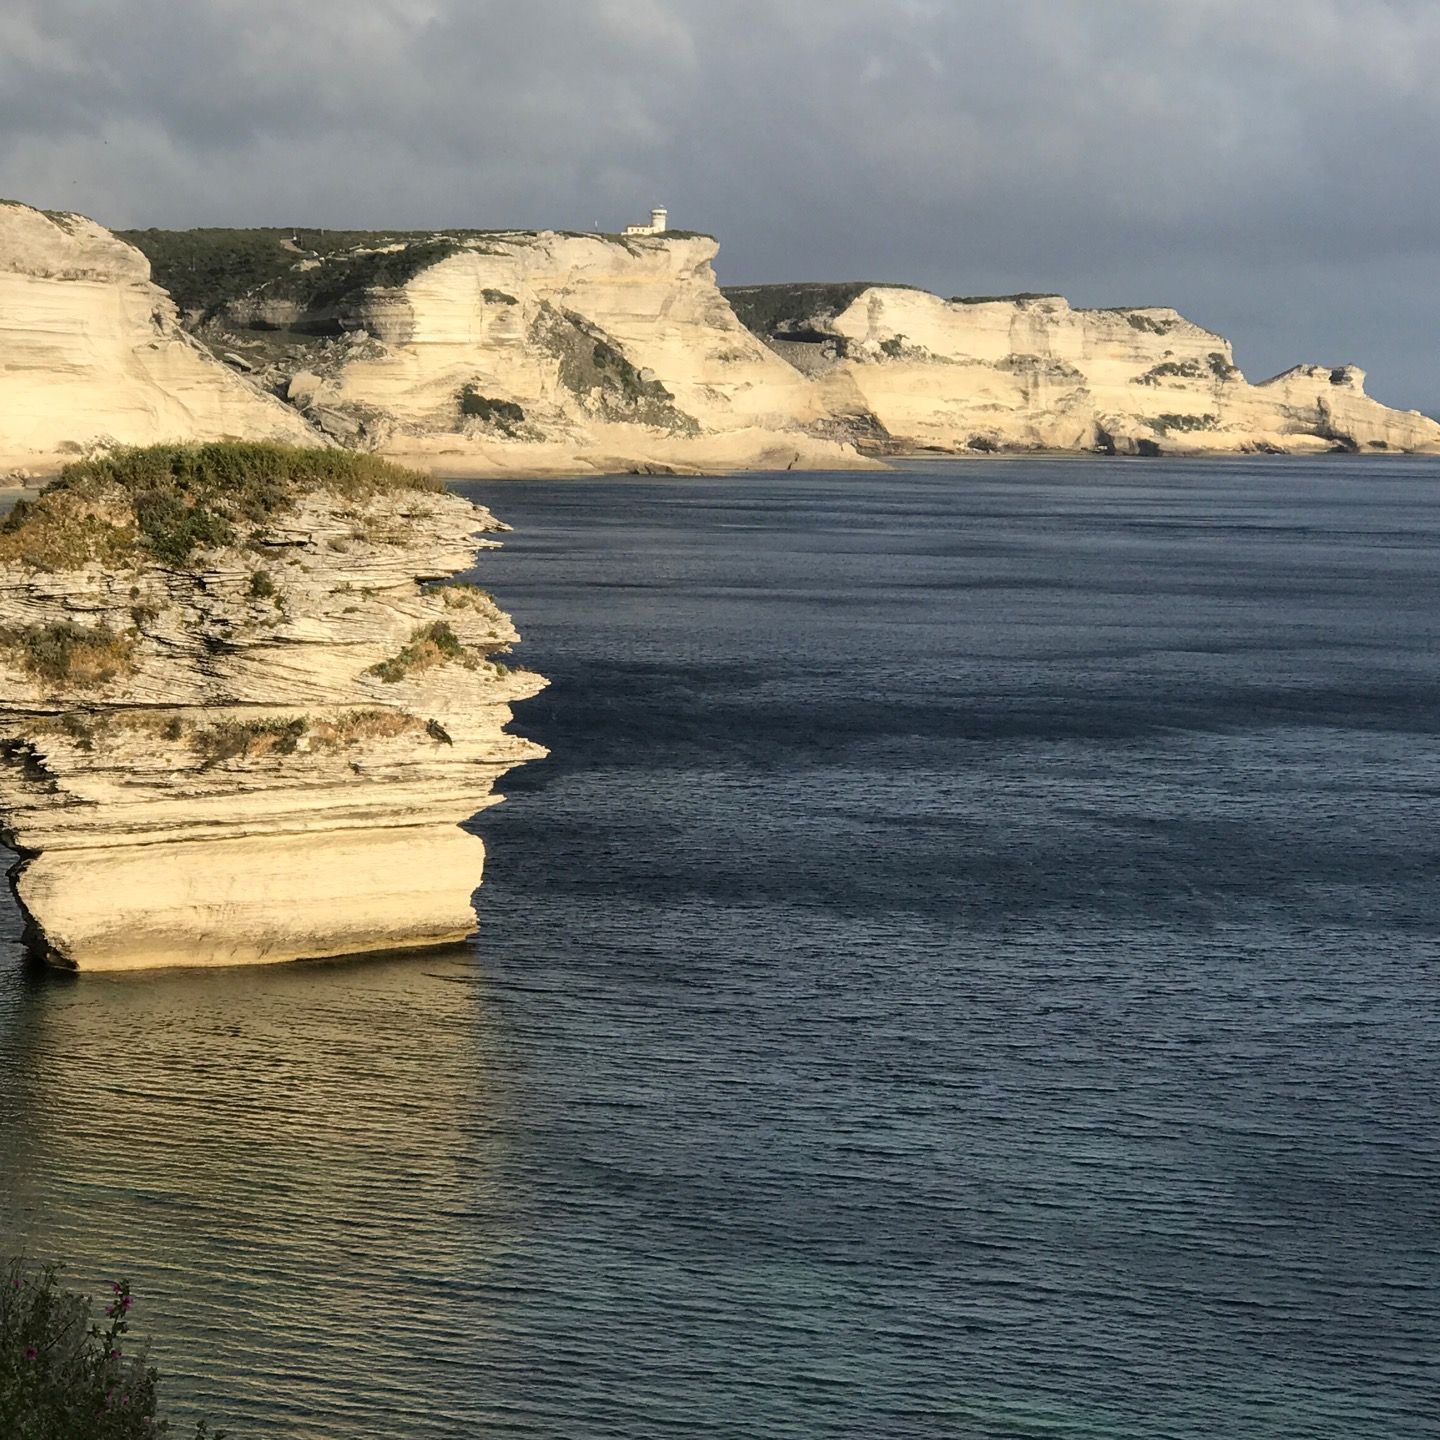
(917, 374)
(522, 353)
(92, 353)
(245, 707)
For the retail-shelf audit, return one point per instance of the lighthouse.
(659, 223)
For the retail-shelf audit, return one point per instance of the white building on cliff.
(659, 224)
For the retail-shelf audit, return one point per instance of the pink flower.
(31, 1353)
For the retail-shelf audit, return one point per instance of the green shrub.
(174, 530)
(1215, 366)
(352, 727)
(60, 532)
(503, 414)
(164, 502)
(63, 653)
(591, 367)
(1171, 369)
(262, 587)
(463, 595)
(795, 311)
(1015, 299)
(204, 270)
(344, 278)
(64, 1376)
(248, 739)
(430, 645)
(1183, 423)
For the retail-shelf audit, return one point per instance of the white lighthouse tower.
(659, 223)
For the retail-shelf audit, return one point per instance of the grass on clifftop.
(792, 311)
(165, 502)
(204, 270)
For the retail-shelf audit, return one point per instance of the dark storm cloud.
(1267, 166)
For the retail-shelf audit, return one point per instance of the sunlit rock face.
(244, 709)
(534, 353)
(1032, 373)
(510, 352)
(91, 352)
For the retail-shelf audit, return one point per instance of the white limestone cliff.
(555, 353)
(1032, 373)
(513, 353)
(260, 747)
(92, 353)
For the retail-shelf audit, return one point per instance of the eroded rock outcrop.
(92, 353)
(245, 708)
(530, 353)
(509, 352)
(1032, 373)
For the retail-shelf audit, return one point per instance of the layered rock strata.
(521, 353)
(529, 353)
(91, 353)
(245, 709)
(919, 373)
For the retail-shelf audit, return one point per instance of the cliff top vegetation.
(163, 502)
(792, 312)
(205, 270)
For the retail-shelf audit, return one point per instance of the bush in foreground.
(164, 502)
(63, 1375)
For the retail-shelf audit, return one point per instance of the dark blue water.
(971, 967)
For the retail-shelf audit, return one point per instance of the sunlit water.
(969, 969)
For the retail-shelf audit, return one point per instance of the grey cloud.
(1268, 167)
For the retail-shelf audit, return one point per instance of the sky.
(1269, 167)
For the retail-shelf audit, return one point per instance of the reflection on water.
(969, 969)
(290, 1163)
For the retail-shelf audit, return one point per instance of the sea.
(969, 967)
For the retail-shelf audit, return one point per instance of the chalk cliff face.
(540, 352)
(91, 351)
(1032, 373)
(241, 721)
(523, 353)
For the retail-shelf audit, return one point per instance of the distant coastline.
(495, 353)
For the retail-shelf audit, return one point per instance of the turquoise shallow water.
(969, 968)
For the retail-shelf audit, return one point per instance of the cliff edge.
(94, 354)
(504, 352)
(244, 707)
(915, 373)
(544, 353)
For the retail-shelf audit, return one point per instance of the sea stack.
(245, 707)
